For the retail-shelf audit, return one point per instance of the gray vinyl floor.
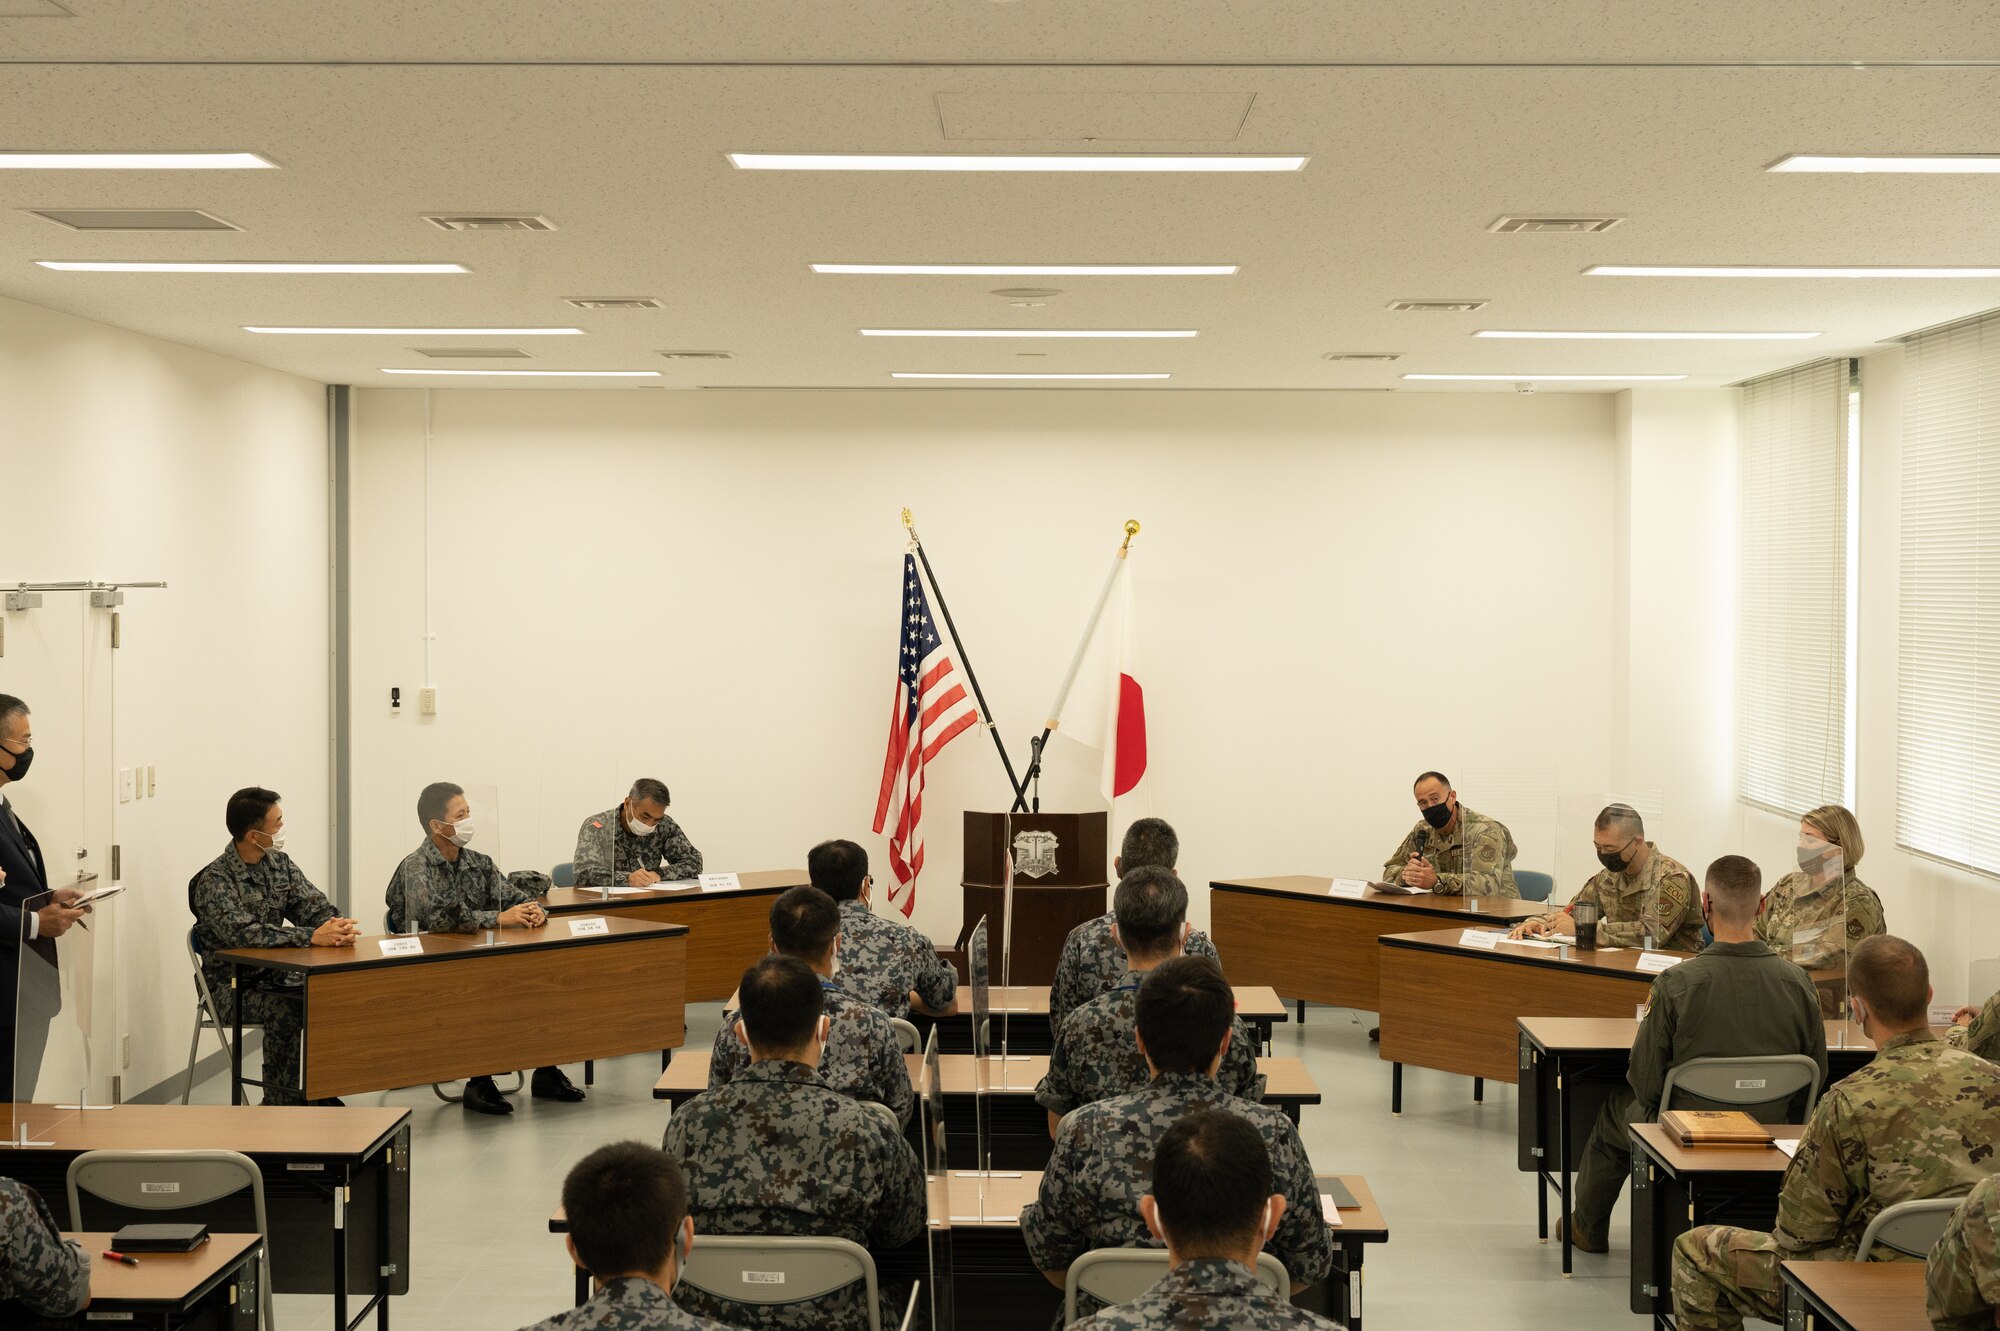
(1462, 1250)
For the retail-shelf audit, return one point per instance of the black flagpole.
(979, 698)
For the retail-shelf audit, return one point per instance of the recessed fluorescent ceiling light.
(1900, 163)
(1008, 162)
(1642, 337)
(911, 374)
(1549, 378)
(540, 374)
(419, 332)
(1775, 270)
(31, 161)
(1034, 269)
(1028, 332)
(252, 266)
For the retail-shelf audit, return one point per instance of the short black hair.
(246, 809)
(1211, 1180)
(1891, 976)
(11, 707)
(1734, 884)
(1623, 817)
(1185, 1007)
(803, 922)
(1150, 843)
(837, 868)
(781, 1000)
(434, 800)
(1438, 777)
(1150, 905)
(646, 788)
(625, 1203)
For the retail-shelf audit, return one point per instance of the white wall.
(124, 457)
(1334, 592)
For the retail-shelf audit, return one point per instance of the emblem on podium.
(1035, 854)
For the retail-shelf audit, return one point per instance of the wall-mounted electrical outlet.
(124, 785)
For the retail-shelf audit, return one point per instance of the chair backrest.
(1911, 1228)
(1120, 1275)
(906, 1035)
(769, 1269)
(1533, 885)
(564, 874)
(1764, 1080)
(163, 1181)
(910, 1311)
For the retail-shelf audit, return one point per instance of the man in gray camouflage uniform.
(1922, 1120)
(1091, 960)
(862, 1056)
(1962, 1275)
(635, 844)
(882, 961)
(1103, 1155)
(40, 1269)
(1211, 1204)
(1095, 1056)
(1453, 851)
(627, 1209)
(445, 887)
(253, 895)
(778, 1152)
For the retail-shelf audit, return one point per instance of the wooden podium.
(1059, 882)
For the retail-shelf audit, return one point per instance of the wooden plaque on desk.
(1060, 862)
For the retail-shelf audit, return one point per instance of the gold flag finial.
(909, 521)
(1131, 530)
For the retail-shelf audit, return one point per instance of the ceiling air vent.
(1437, 306)
(472, 353)
(499, 222)
(699, 355)
(134, 219)
(1508, 226)
(1377, 357)
(613, 302)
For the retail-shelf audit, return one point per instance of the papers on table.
(1348, 887)
(1398, 890)
(1655, 962)
(720, 882)
(1789, 1145)
(627, 890)
(1328, 1209)
(1547, 944)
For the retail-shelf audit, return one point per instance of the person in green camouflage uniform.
(40, 1269)
(1212, 1205)
(1921, 1120)
(1095, 1056)
(1453, 851)
(1817, 914)
(777, 1151)
(1102, 1162)
(1963, 1274)
(626, 1206)
(1092, 962)
(635, 844)
(1640, 892)
(1977, 1029)
(254, 895)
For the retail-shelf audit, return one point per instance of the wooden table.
(1452, 1006)
(1569, 1066)
(1675, 1188)
(1854, 1296)
(467, 1007)
(1024, 1010)
(727, 931)
(1293, 934)
(208, 1287)
(1018, 1127)
(336, 1185)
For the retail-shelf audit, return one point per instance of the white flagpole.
(1089, 632)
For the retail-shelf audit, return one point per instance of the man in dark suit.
(31, 919)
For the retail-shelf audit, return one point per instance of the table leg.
(1396, 1088)
(1353, 1309)
(666, 1059)
(340, 1256)
(1479, 1090)
(1542, 1206)
(1562, 1164)
(236, 1033)
(382, 1238)
(589, 1072)
(1302, 1012)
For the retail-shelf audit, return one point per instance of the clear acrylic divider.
(1523, 800)
(978, 971)
(1814, 931)
(938, 1184)
(49, 1065)
(483, 801)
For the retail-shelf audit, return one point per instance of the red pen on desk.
(121, 1257)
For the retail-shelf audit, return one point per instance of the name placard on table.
(1348, 887)
(401, 947)
(1655, 962)
(1481, 938)
(720, 882)
(591, 924)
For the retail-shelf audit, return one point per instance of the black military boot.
(551, 1084)
(483, 1097)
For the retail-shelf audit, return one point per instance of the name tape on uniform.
(1349, 887)
(1486, 938)
(592, 924)
(720, 882)
(1658, 961)
(401, 947)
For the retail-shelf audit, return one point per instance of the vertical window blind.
(1793, 673)
(1948, 713)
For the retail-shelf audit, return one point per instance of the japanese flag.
(1107, 708)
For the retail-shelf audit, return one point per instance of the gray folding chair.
(1120, 1275)
(1911, 1228)
(906, 1035)
(1533, 885)
(1763, 1080)
(131, 1180)
(768, 1270)
(207, 1015)
(910, 1310)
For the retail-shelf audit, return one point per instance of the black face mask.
(1438, 815)
(1613, 860)
(22, 762)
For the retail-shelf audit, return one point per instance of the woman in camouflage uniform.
(1819, 913)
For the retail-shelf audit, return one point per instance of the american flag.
(932, 708)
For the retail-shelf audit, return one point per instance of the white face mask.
(460, 832)
(277, 842)
(637, 828)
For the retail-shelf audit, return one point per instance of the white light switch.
(124, 785)
(152, 783)
(427, 702)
